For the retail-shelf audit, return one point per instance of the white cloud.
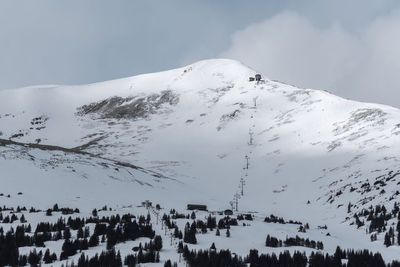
(364, 65)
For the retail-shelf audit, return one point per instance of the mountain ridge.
(193, 123)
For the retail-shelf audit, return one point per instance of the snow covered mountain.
(189, 135)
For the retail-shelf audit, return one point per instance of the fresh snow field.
(182, 137)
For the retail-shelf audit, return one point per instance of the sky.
(350, 48)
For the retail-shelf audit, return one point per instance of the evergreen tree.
(387, 241)
(82, 262)
(118, 259)
(94, 241)
(34, 258)
(23, 260)
(54, 257)
(22, 219)
(47, 258)
(211, 222)
(55, 207)
(8, 250)
(190, 233)
(67, 233)
(213, 247)
(157, 243)
(86, 233)
(80, 233)
(157, 257)
(48, 212)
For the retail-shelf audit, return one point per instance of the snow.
(308, 145)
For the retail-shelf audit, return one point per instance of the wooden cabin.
(196, 207)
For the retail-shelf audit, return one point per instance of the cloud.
(75, 42)
(362, 65)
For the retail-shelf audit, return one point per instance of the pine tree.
(57, 236)
(190, 233)
(387, 241)
(80, 233)
(13, 218)
(82, 262)
(22, 219)
(6, 219)
(373, 237)
(211, 222)
(86, 232)
(67, 233)
(48, 212)
(176, 232)
(391, 234)
(94, 241)
(140, 256)
(55, 207)
(157, 243)
(213, 247)
(23, 260)
(47, 258)
(118, 259)
(33, 258)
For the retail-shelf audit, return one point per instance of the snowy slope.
(310, 155)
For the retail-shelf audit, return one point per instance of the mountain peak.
(197, 123)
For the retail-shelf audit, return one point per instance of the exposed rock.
(130, 107)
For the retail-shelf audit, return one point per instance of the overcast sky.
(351, 48)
